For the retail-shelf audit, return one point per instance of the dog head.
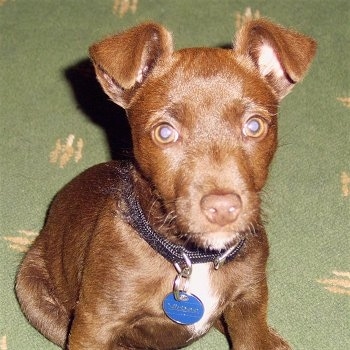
(204, 120)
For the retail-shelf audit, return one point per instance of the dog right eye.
(255, 127)
(165, 134)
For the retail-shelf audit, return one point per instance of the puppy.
(153, 252)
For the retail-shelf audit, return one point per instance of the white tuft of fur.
(141, 74)
(268, 62)
(201, 287)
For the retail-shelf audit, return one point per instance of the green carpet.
(56, 122)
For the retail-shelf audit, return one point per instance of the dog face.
(204, 121)
(205, 140)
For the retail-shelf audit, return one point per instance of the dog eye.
(165, 133)
(255, 127)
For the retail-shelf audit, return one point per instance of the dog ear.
(282, 56)
(123, 61)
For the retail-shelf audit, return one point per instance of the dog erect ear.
(123, 61)
(282, 56)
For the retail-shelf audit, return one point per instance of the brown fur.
(89, 281)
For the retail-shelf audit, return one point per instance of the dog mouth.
(199, 232)
(188, 221)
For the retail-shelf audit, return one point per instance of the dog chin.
(216, 240)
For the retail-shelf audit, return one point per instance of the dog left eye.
(165, 134)
(255, 127)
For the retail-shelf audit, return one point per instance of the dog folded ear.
(281, 55)
(123, 61)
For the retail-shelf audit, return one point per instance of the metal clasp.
(182, 280)
(220, 260)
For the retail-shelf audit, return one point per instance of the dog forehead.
(204, 75)
(203, 82)
(205, 63)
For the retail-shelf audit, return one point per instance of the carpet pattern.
(56, 122)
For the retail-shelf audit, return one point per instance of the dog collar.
(174, 253)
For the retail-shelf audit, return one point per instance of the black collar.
(172, 252)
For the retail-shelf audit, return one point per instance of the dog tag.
(187, 310)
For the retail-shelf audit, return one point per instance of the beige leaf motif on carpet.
(345, 101)
(339, 284)
(247, 16)
(66, 151)
(3, 343)
(22, 242)
(345, 183)
(345, 176)
(121, 7)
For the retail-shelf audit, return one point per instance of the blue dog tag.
(188, 310)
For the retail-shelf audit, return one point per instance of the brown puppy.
(151, 253)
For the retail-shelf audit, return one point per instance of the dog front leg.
(88, 333)
(246, 323)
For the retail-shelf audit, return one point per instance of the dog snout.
(221, 209)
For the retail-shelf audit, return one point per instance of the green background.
(47, 92)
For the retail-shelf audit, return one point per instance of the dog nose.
(221, 209)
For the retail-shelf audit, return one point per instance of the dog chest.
(201, 286)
